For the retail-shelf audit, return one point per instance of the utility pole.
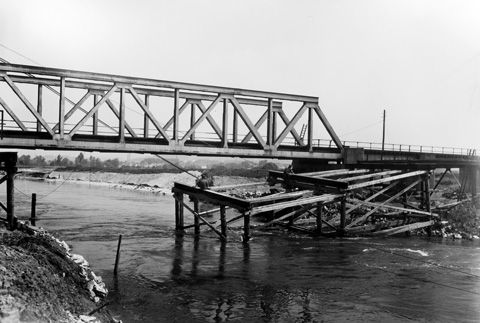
(383, 136)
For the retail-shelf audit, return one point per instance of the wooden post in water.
(11, 220)
(117, 258)
(246, 226)
(319, 216)
(34, 209)
(196, 219)
(179, 212)
(223, 220)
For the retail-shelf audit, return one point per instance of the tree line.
(80, 162)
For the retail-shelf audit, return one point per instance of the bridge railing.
(325, 143)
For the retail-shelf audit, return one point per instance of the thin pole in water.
(34, 209)
(118, 255)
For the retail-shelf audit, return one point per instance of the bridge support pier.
(8, 162)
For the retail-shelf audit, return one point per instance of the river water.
(276, 277)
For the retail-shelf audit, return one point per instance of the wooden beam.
(294, 178)
(356, 178)
(404, 228)
(384, 180)
(211, 196)
(365, 216)
(309, 200)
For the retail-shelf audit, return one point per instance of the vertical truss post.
(121, 117)
(192, 119)
(235, 126)
(310, 129)
(61, 117)
(146, 120)
(225, 124)
(39, 106)
(176, 115)
(270, 138)
(95, 116)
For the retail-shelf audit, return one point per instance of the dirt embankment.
(40, 281)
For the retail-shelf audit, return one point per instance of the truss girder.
(83, 107)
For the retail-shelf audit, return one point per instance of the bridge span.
(48, 108)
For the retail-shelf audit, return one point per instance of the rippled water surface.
(277, 277)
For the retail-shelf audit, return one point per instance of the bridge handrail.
(399, 147)
(100, 77)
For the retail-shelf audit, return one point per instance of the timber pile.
(335, 202)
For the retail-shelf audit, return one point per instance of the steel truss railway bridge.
(47, 108)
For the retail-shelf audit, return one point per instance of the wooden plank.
(310, 180)
(308, 200)
(211, 196)
(404, 228)
(227, 187)
(283, 217)
(372, 197)
(399, 208)
(335, 172)
(279, 197)
(384, 180)
(356, 178)
(363, 217)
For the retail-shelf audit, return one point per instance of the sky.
(417, 60)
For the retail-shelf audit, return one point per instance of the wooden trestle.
(339, 202)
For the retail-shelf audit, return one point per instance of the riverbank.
(41, 281)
